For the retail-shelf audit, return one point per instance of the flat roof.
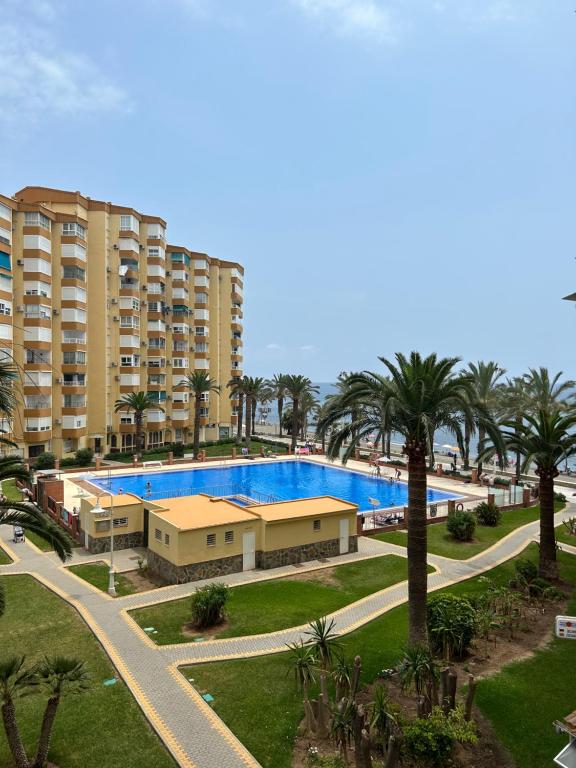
(300, 508)
(193, 512)
(120, 500)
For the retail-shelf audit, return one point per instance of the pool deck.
(73, 493)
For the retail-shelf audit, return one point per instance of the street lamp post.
(100, 512)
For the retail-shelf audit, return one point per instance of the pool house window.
(167, 539)
(211, 540)
(158, 534)
(316, 525)
(229, 537)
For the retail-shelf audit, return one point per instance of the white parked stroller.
(19, 536)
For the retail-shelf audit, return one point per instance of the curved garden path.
(188, 726)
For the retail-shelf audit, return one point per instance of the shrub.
(45, 461)
(430, 741)
(461, 525)
(451, 622)
(70, 462)
(526, 569)
(488, 514)
(208, 605)
(502, 480)
(559, 498)
(178, 450)
(84, 457)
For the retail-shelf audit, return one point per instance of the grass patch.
(38, 622)
(4, 557)
(280, 603)
(564, 537)
(97, 574)
(268, 731)
(211, 450)
(440, 542)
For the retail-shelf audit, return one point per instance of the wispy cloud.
(486, 11)
(365, 18)
(273, 347)
(39, 75)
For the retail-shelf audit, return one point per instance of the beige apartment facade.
(94, 304)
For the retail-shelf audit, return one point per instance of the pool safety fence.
(239, 493)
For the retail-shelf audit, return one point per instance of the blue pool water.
(278, 480)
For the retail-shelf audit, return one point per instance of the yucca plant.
(324, 640)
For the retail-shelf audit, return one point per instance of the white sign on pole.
(566, 627)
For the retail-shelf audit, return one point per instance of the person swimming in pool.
(148, 488)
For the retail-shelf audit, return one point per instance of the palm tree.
(60, 676)
(420, 395)
(15, 681)
(139, 403)
(543, 392)
(309, 406)
(545, 438)
(277, 385)
(297, 387)
(485, 380)
(238, 386)
(258, 391)
(199, 383)
(513, 403)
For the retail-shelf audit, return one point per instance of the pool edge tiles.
(285, 480)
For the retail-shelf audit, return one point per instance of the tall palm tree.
(60, 676)
(297, 387)
(15, 681)
(238, 386)
(199, 383)
(258, 387)
(420, 395)
(138, 403)
(545, 392)
(485, 378)
(309, 406)
(545, 438)
(277, 385)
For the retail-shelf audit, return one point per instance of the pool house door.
(344, 537)
(248, 551)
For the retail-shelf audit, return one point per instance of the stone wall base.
(121, 541)
(180, 574)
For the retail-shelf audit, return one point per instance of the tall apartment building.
(95, 304)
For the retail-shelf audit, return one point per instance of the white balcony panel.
(180, 415)
(202, 314)
(130, 379)
(129, 341)
(5, 212)
(74, 251)
(6, 331)
(179, 274)
(38, 265)
(73, 293)
(37, 243)
(155, 270)
(201, 365)
(37, 334)
(72, 315)
(5, 284)
(41, 424)
(128, 244)
(74, 422)
(153, 417)
(202, 281)
(38, 288)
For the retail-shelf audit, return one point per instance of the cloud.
(486, 11)
(365, 18)
(39, 75)
(273, 347)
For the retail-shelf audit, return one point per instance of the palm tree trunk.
(196, 439)
(46, 732)
(548, 567)
(294, 436)
(138, 418)
(240, 418)
(388, 443)
(466, 456)
(280, 410)
(481, 436)
(13, 735)
(248, 420)
(417, 546)
(254, 404)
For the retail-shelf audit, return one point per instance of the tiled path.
(188, 726)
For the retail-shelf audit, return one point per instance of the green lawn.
(4, 559)
(441, 543)
(562, 535)
(280, 603)
(86, 733)
(240, 687)
(97, 574)
(212, 450)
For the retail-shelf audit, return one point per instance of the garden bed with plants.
(268, 606)
(466, 534)
(512, 618)
(127, 582)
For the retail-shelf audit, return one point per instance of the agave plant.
(324, 640)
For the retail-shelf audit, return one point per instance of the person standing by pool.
(397, 474)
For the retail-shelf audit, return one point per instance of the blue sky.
(393, 174)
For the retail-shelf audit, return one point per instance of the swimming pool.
(274, 481)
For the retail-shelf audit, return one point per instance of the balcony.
(155, 417)
(180, 415)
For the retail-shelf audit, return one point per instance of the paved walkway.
(188, 726)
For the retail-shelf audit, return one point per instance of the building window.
(158, 534)
(229, 537)
(102, 526)
(72, 228)
(36, 219)
(316, 525)
(120, 522)
(167, 539)
(211, 540)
